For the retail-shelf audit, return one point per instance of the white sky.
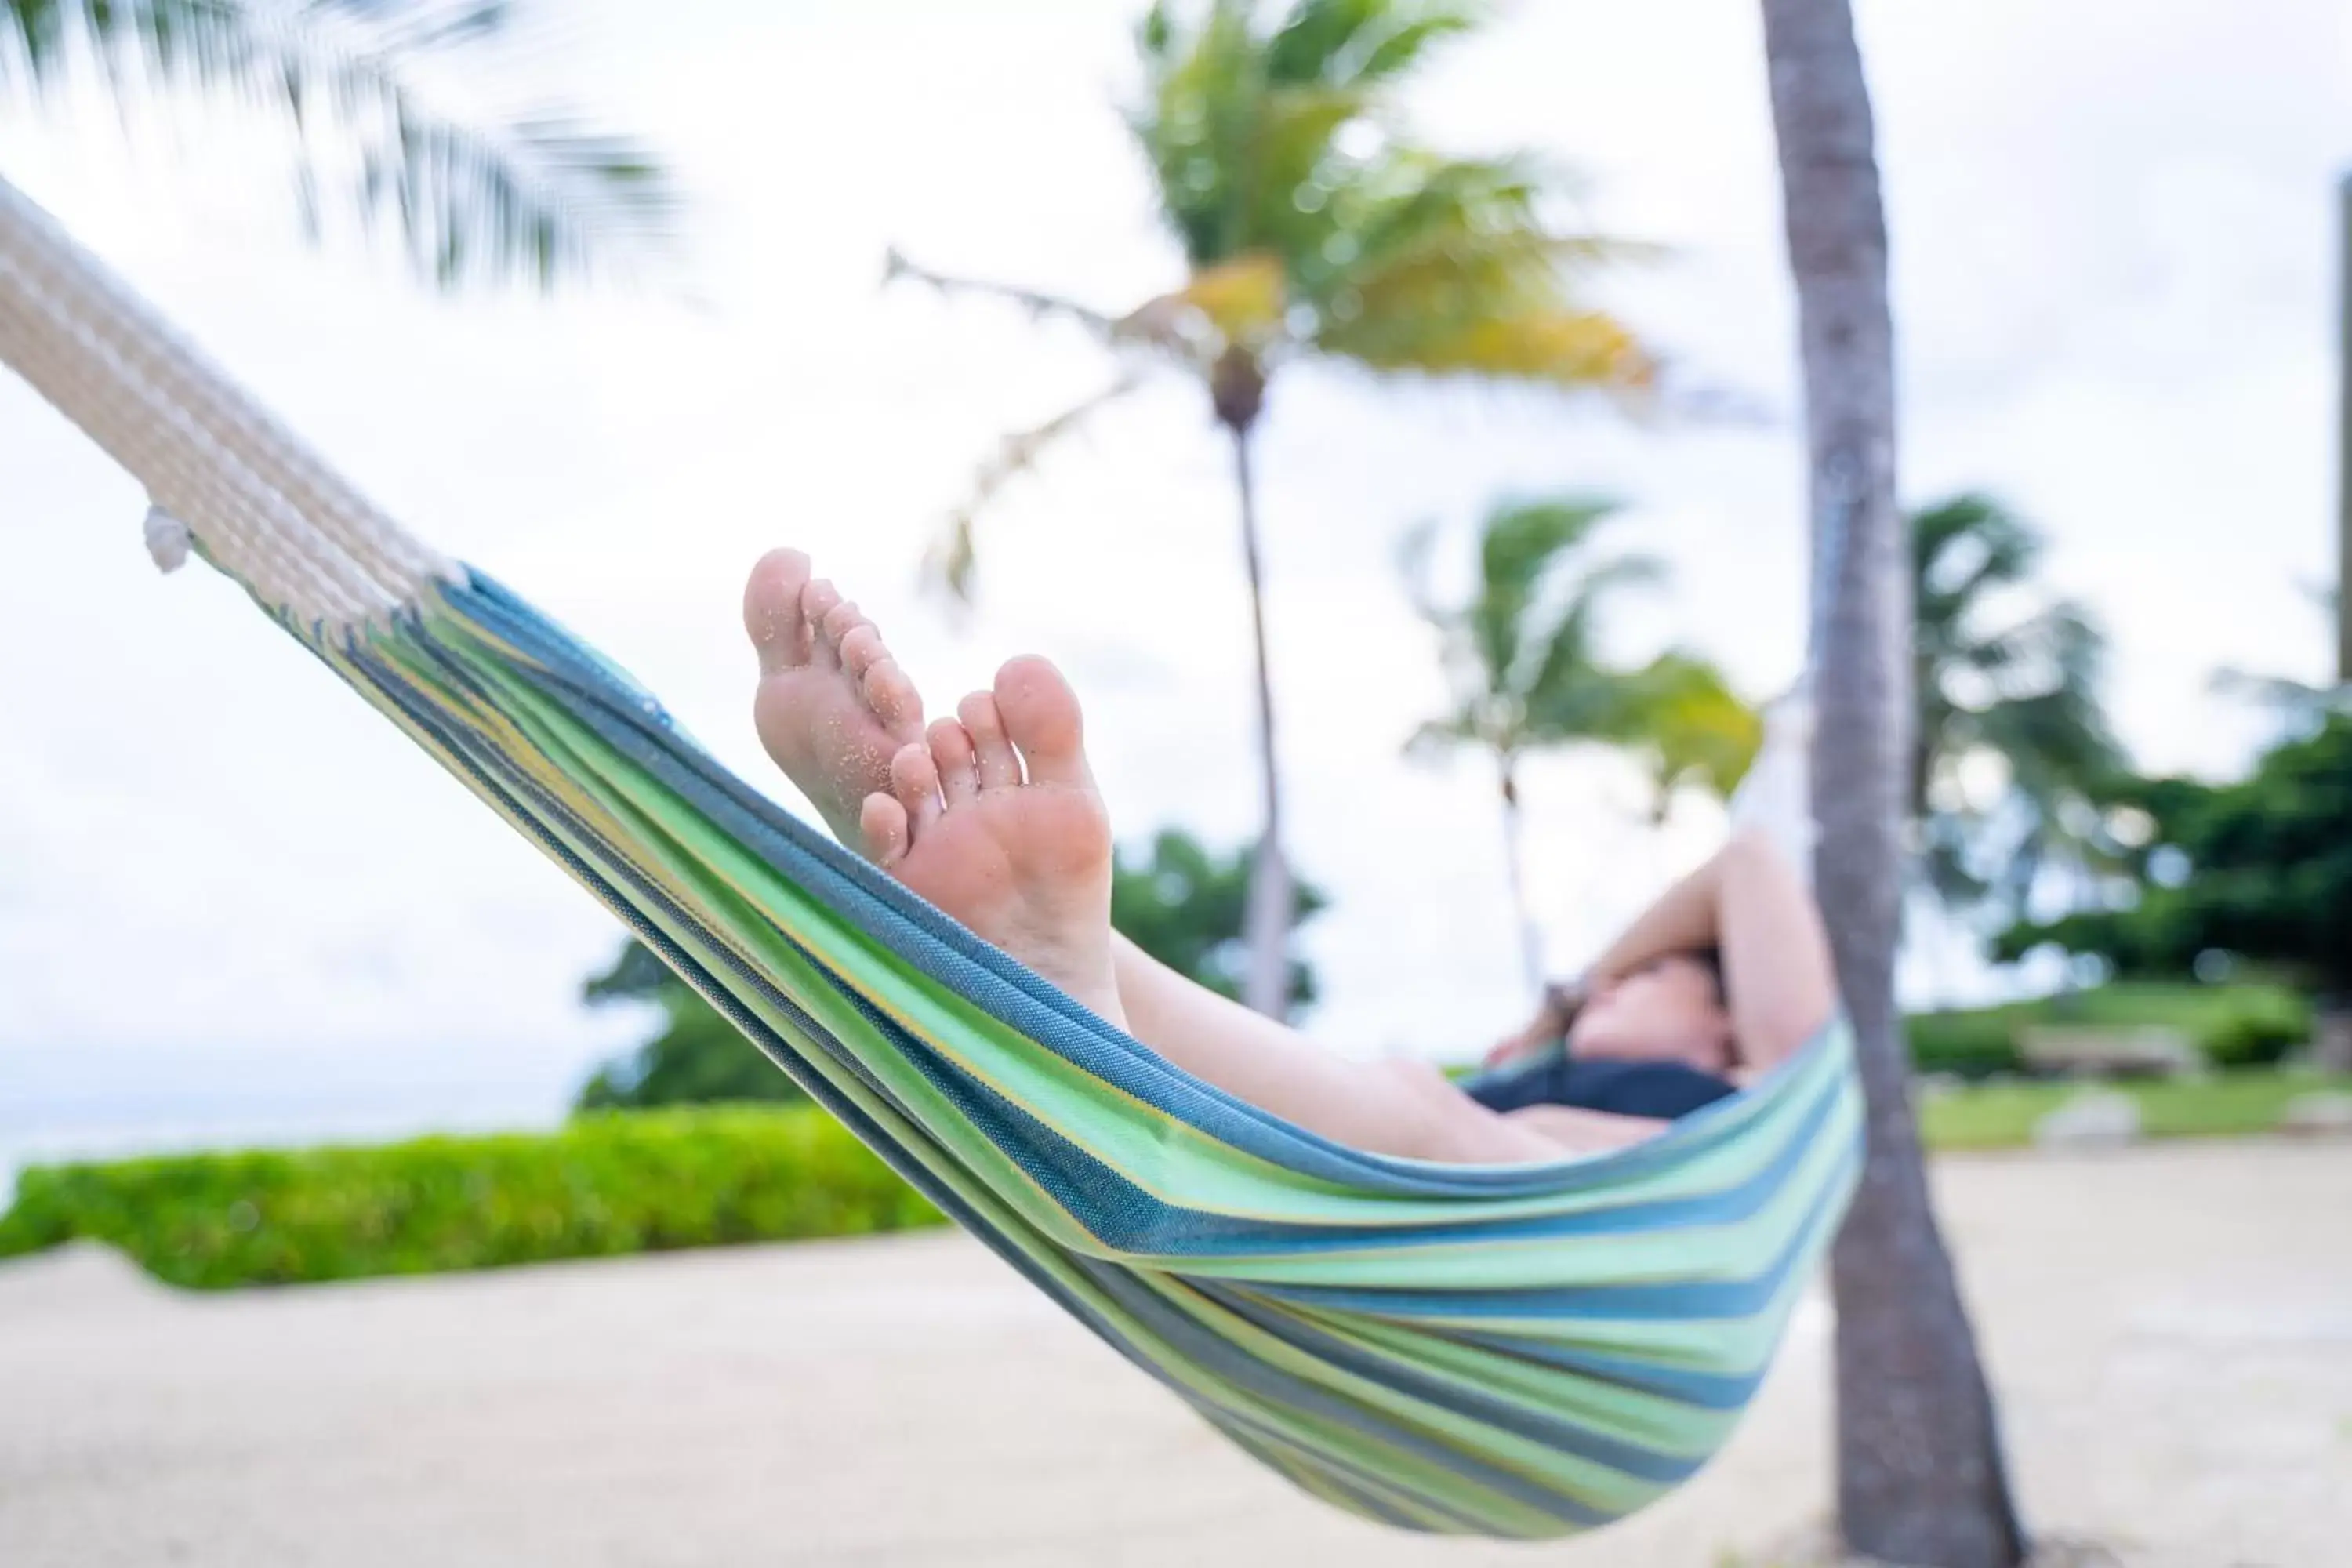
(222, 880)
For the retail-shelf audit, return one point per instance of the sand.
(2169, 1329)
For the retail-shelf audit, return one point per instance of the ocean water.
(91, 1103)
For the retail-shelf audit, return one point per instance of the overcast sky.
(222, 879)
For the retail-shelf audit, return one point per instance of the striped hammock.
(1513, 1351)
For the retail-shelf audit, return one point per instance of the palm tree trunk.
(1920, 1474)
(1265, 926)
(1531, 939)
(2344, 434)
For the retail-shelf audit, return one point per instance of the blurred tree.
(1314, 225)
(2013, 750)
(1523, 657)
(1187, 907)
(2260, 870)
(697, 1057)
(2300, 707)
(1921, 1477)
(537, 195)
(1176, 901)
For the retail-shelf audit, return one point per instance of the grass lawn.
(2002, 1115)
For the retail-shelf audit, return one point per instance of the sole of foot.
(994, 817)
(832, 707)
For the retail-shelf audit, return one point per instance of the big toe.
(1041, 716)
(772, 609)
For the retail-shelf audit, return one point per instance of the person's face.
(1667, 1010)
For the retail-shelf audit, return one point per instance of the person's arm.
(1777, 966)
(1685, 918)
(1748, 903)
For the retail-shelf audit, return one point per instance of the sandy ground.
(2171, 1333)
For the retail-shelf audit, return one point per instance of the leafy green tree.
(697, 1057)
(1187, 906)
(2260, 870)
(1176, 900)
(1523, 656)
(537, 195)
(2009, 691)
(1315, 226)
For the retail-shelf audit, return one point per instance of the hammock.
(1517, 1351)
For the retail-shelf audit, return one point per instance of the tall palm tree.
(1312, 224)
(1920, 1473)
(537, 195)
(2023, 688)
(1522, 654)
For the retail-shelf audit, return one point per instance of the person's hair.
(1710, 957)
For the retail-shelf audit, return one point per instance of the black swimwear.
(1659, 1090)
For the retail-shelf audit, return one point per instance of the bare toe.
(818, 600)
(860, 646)
(951, 755)
(915, 780)
(772, 609)
(892, 697)
(1041, 716)
(883, 822)
(840, 621)
(999, 764)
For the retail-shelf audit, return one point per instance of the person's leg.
(1022, 855)
(994, 818)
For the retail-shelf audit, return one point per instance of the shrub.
(2234, 1025)
(601, 1185)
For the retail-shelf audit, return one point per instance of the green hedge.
(602, 1184)
(643, 1181)
(2235, 1025)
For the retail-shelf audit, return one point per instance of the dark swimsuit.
(1659, 1090)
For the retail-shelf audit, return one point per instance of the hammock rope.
(1518, 1350)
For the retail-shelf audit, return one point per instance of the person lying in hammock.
(993, 816)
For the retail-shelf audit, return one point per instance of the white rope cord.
(263, 507)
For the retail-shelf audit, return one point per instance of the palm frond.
(952, 557)
(1039, 304)
(1697, 727)
(1557, 669)
(1345, 42)
(540, 195)
(1575, 349)
(1436, 737)
(2027, 691)
(1520, 547)
(1964, 548)
(1416, 552)
(2297, 707)
(1446, 267)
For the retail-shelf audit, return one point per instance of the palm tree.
(2021, 688)
(1920, 1473)
(1313, 225)
(539, 195)
(1523, 657)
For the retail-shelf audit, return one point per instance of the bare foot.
(994, 818)
(833, 706)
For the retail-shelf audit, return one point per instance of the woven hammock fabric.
(1515, 1351)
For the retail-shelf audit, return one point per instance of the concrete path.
(2172, 1331)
